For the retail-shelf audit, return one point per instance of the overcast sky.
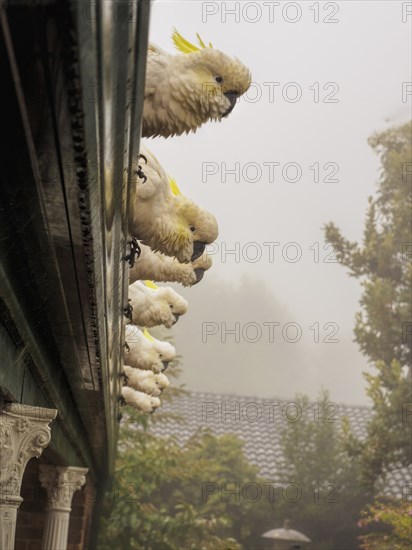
(349, 76)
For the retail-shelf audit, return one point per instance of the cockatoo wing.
(157, 60)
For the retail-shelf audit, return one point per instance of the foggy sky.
(366, 57)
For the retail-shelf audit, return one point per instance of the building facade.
(72, 80)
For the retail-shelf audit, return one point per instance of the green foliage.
(195, 496)
(316, 461)
(394, 521)
(383, 265)
(153, 503)
(159, 501)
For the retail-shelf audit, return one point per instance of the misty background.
(359, 62)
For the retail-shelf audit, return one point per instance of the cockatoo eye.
(171, 306)
(219, 79)
(192, 228)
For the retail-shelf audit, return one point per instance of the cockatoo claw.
(128, 312)
(134, 253)
(139, 170)
(124, 377)
(141, 174)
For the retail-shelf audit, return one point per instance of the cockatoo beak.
(199, 275)
(232, 97)
(176, 316)
(165, 365)
(198, 249)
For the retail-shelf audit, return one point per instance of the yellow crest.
(150, 284)
(185, 46)
(147, 335)
(174, 187)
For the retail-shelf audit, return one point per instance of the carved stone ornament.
(24, 434)
(61, 482)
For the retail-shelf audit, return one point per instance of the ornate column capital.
(24, 434)
(61, 482)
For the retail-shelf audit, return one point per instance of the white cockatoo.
(166, 220)
(146, 380)
(154, 305)
(184, 91)
(164, 269)
(140, 400)
(146, 352)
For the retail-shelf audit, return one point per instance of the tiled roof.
(259, 422)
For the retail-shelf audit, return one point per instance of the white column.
(24, 433)
(60, 482)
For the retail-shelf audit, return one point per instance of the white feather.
(140, 400)
(162, 306)
(168, 223)
(164, 269)
(146, 380)
(182, 91)
(147, 354)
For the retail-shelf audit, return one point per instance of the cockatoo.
(184, 91)
(146, 380)
(154, 305)
(166, 220)
(146, 352)
(140, 400)
(164, 269)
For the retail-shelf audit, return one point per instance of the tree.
(394, 520)
(383, 327)
(321, 493)
(155, 500)
(168, 497)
